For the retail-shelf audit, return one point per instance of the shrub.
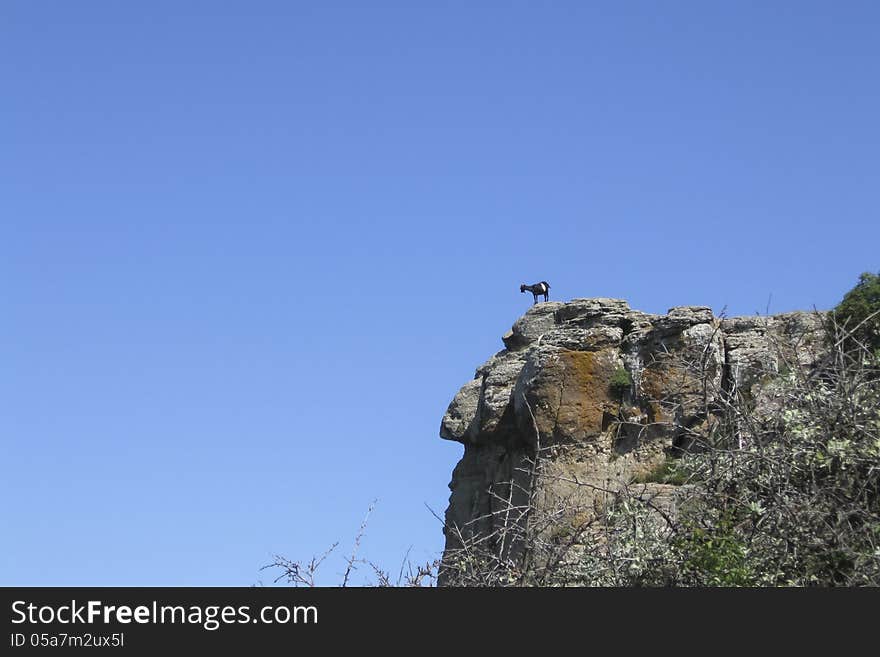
(669, 471)
(621, 382)
(859, 313)
(716, 556)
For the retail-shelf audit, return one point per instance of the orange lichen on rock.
(585, 394)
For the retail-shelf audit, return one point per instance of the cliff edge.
(606, 394)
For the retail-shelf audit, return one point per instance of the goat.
(537, 289)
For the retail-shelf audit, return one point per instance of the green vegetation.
(716, 557)
(859, 314)
(621, 382)
(669, 471)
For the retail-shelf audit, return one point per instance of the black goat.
(537, 289)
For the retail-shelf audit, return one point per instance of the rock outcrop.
(607, 392)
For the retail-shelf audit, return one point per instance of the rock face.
(608, 392)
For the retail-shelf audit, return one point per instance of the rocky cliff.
(607, 394)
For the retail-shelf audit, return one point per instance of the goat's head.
(522, 288)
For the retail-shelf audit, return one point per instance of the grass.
(667, 472)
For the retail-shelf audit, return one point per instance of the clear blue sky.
(250, 250)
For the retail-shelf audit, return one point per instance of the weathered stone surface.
(551, 386)
(459, 423)
(530, 327)
(583, 339)
(498, 382)
(568, 394)
(592, 312)
(689, 315)
(758, 347)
